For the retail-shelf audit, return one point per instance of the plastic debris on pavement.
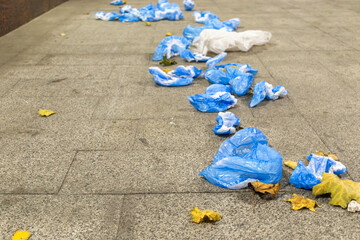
(202, 17)
(263, 89)
(164, 10)
(180, 76)
(308, 177)
(226, 123)
(353, 206)
(245, 157)
(219, 41)
(223, 74)
(189, 5)
(230, 25)
(213, 101)
(171, 46)
(214, 88)
(190, 57)
(216, 60)
(118, 2)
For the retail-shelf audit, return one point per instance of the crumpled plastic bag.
(214, 88)
(171, 46)
(218, 41)
(111, 16)
(263, 89)
(230, 25)
(180, 76)
(243, 158)
(216, 60)
(213, 101)
(223, 74)
(202, 17)
(117, 2)
(189, 5)
(226, 123)
(163, 10)
(190, 57)
(308, 177)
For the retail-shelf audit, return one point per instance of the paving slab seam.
(67, 172)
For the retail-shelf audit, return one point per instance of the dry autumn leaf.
(299, 202)
(21, 235)
(342, 191)
(45, 113)
(265, 190)
(166, 70)
(333, 156)
(168, 34)
(291, 164)
(204, 216)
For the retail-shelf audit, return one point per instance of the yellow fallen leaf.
(124, 2)
(291, 164)
(333, 156)
(342, 191)
(21, 235)
(147, 23)
(45, 113)
(166, 70)
(204, 216)
(168, 34)
(264, 189)
(299, 202)
(63, 34)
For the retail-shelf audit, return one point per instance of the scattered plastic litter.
(21, 235)
(190, 57)
(216, 60)
(180, 76)
(245, 157)
(45, 113)
(299, 202)
(214, 88)
(202, 17)
(223, 74)
(213, 101)
(219, 41)
(342, 191)
(241, 84)
(308, 177)
(263, 89)
(163, 10)
(226, 123)
(204, 216)
(189, 5)
(171, 46)
(118, 2)
(353, 206)
(230, 25)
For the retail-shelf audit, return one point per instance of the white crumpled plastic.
(353, 206)
(218, 41)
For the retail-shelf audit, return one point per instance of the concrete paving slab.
(60, 217)
(167, 216)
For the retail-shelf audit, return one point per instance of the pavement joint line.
(67, 172)
(119, 221)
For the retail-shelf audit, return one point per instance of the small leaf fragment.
(63, 34)
(168, 34)
(342, 191)
(148, 24)
(291, 164)
(204, 216)
(45, 113)
(299, 202)
(167, 62)
(330, 155)
(166, 70)
(264, 190)
(21, 235)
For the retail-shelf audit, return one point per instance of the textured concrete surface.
(120, 158)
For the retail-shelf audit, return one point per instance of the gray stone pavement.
(109, 165)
